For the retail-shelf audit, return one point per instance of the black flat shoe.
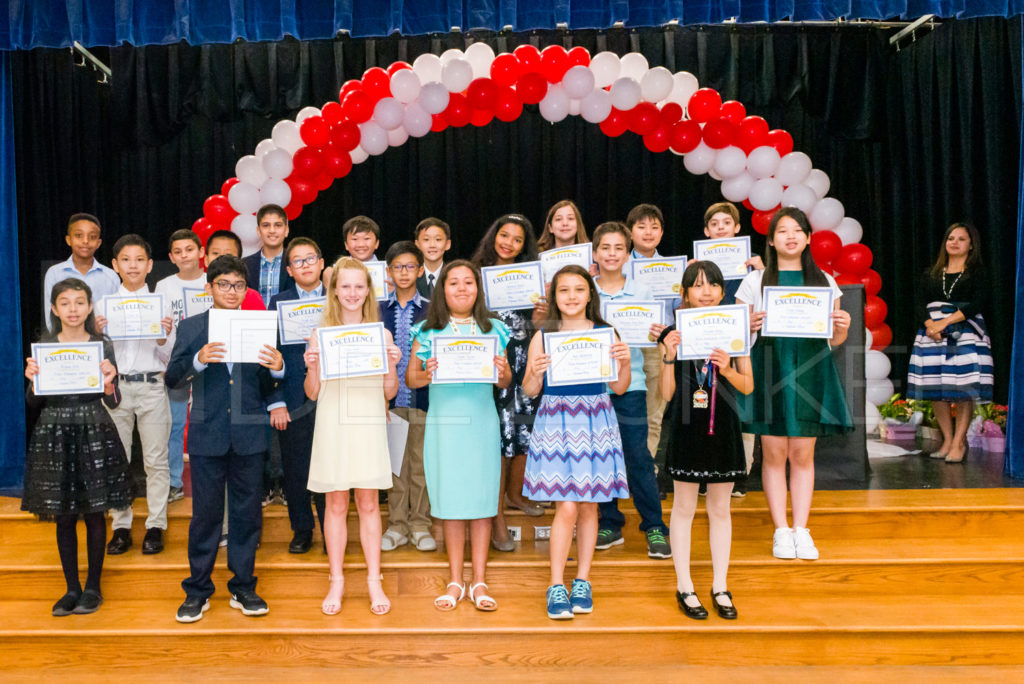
(65, 605)
(119, 543)
(696, 613)
(88, 602)
(153, 542)
(725, 612)
(301, 542)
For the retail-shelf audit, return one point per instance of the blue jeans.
(176, 442)
(631, 412)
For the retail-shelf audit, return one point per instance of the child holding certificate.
(797, 394)
(75, 465)
(462, 440)
(703, 443)
(575, 454)
(350, 441)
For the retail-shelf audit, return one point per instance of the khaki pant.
(408, 505)
(146, 403)
(655, 404)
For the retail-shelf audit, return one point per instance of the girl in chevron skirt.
(575, 456)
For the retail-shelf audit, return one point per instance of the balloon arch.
(757, 166)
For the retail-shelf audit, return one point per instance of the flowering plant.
(992, 413)
(896, 408)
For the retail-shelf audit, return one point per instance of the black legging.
(67, 547)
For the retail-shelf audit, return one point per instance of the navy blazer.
(229, 411)
(293, 385)
(252, 278)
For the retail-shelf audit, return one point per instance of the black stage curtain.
(912, 140)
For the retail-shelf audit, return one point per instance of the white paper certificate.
(797, 312)
(298, 318)
(729, 254)
(554, 259)
(134, 317)
(517, 286)
(379, 276)
(243, 333)
(704, 329)
(661, 276)
(196, 301)
(72, 368)
(633, 319)
(465, 358)
(349, 351)
(581, 356)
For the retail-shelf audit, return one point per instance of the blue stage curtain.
(1014, 463)
(56, 23)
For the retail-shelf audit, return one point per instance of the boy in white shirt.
(434, 238)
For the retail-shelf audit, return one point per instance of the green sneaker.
(606, 539)
(657, 544)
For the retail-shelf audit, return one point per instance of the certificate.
(134, 317)
(729, 254)
(661, 276)
(581, 356)
(72, 368)
(350, 351)
(379, 276)
(633, 319)
(797, 312)
(243, 333)
(298, 317)
(518, 286)
(465, 358)
(196, 301)
(554, 259)
(704, 329)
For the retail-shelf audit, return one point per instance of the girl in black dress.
(704, 442)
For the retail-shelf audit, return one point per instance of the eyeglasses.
(308, 261)
(227, 286)
(411, 268)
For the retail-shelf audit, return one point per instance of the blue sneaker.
(558, 603)
(582, 599)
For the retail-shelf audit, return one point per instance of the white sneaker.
(783, 545)
(805, 548)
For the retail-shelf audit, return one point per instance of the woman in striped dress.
(952, 358)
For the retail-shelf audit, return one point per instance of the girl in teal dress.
(797, 396)
(462, 439)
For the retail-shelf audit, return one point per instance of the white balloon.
(714, 174)
(416, 121)
(249, 169)
(277, 163)
(868, 338)
(244, 226)
(730, 161)
(428, 68)
(578, 82)
(799, 196)
(871, 417)
(684, 85)
(817, 180)
(388, 112)
(826, 214)
(606, 68)
(596, 106)
(763, 161)
(574, 107)
(265, 146)
(633, 65)
(876, 365)
(275, 191)
(700, 159)
(457, 75)
(359, 155)
(451, 54)
(737, 188)
(849, 230)
(765, 194)
(434, 98)
(555, 105)
(397, 136)
(793, 168)
(286, 136)
(405, 85)
(656, 84)
(480, 56)
(373, 138)
(878, 392)
(626, 93)
(244, 198)
(305, 113)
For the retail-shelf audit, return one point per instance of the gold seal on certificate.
(72, 368)
(554, 259)
(133, 317)
(633, 319)
(797, 312)
(704, 329)
(517, 286)
(196, 301)
(465, 358)
(299, 317)
(379, 276)
(729, 254)
(349, 351)
(661, 276)
(580, 356)
(243, 333)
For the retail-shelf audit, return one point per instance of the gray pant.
(146, 403)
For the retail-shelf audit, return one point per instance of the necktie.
(430, 282)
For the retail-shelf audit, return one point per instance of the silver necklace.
(948, 292)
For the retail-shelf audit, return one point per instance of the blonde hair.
(332, 312)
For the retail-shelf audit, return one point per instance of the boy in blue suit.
(226, 440)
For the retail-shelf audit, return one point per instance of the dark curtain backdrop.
(912, 140)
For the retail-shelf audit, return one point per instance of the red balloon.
(761, 220)
(670, 113)
(781, 140)
(643, 118)
(748, 205)
(554, 62)
(482, 93)
(685, 136)
(307, 163)
(825, 246)
(752, 133)
(348, 87)
(336, 163)
(481, 117)
(847, 279)
(704, 105)
(358, 106)
(508, 107)
(398, 66)
(579, 55)
(874, 312)
(733, 111)
(315, 132)
(881, 336)
(218, 211)
(616, 124)
(203, 228)
(872, 282)
(532, 87)
(332, 113)
(345, 136)
(718, 133)
(376, 83)
(438, 123)
(304, 191)
(854, 259)
(529, 58)
(658, 139)
(293, 210)
(323, 181)
(506, 69)
(228, 184)
(458, 112)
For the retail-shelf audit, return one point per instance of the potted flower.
(896, 424)
(990, 432)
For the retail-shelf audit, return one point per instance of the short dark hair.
(609, 227)
(360, 224)
(183, 234)
(225, 264)
(132, 240)
(230, 235)
(712, 275)
(82, 216)
(300, 242)
(271, 209)
(644, 211)
(432, 221)
(403, 247)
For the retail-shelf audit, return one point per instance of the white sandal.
(392, 539)
(381, 607)
(481, 598)
(330, 608)
(423, 541)
(446, 602)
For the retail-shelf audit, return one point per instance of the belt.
(155, 376)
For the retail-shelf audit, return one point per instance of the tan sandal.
(446, 602)
(331, 608)
(381, 607)
(480, 599)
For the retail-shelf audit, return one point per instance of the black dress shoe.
(65, 605)
(88, 602)
(119, 543)
(301, 542)
(192, 609)
(249, 603)
(697, 613)
(725, 612)
(154, 541)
